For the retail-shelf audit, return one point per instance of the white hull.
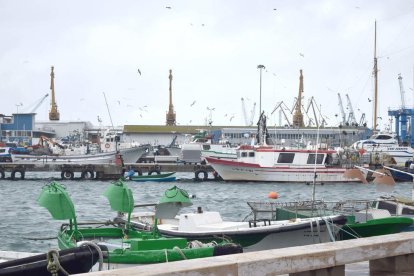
(237, 171)
(252, 235)
(100, 158)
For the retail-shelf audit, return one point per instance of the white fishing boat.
(385, 143)
(267, 163)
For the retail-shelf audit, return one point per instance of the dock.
(70, 171)
(387, 255)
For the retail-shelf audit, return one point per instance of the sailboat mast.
(375, 79)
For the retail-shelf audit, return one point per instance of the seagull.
(168, 8)
(140, 115)
(119, 103)
(139, 72)
(302, 55)
(231, 118)
(275, 9)
(193, 103)
(369, 100)
(202, 25)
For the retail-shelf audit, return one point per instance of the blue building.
(19, 129)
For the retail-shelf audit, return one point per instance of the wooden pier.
(69, 171)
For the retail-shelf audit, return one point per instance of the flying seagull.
(193, 103)
(302, 55)
(168, 8)
(369, 100)
(139, 72)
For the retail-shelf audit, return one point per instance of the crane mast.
(53, 113)
(298, 116)
(402, 92)
(351, 118)
(341, 107)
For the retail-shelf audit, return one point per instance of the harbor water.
(25, 226)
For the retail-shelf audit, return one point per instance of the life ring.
(67, 174)
(107, 145)
(197, 175)
(88, 174)
(2, 174)
(157, 171)
(13, 174)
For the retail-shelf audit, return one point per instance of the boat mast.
(374, 127)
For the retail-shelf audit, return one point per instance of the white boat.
(269, 164)
(385, 143)
(202, 146)
(264, 231)
(99, 158)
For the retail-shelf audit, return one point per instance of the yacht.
(385, 143)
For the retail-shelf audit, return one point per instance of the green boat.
(161, 177)
(363, 220)
(122, 245)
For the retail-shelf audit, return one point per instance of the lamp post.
(260, 67)
(17, 118)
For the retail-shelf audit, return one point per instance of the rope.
(332, 238)
(319, 230)
(53, 264)
(177, 249)
(100, 254)
(311, 228)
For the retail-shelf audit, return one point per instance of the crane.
(341, 107)
(34, 106)
(311, 103)
(248, 119)
(351, 117)
(402, 92)
(283, 107)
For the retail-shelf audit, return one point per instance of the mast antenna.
(375, 79)
(109, 112)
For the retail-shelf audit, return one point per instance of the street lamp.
(260, 67)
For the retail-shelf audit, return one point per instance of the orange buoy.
(273, 195)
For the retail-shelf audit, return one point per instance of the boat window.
(311, 159)
(244, 154)
(285, 157)
(206, 147)
(251, 154)
(383, 137)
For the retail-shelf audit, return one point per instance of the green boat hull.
(140, 247)
(375, 227)
(352, 230)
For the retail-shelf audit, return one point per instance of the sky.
(213, 49)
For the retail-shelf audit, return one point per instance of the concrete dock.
(387, 255)
(17, 171)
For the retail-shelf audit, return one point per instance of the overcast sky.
(213, 49)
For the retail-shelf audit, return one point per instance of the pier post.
(329, 271)
(396, 264)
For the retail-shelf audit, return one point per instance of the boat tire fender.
(157, 171)
(88, 174)
(197, 175)
(2, 174)
(13, 174)
(67, 174)
(226, 249)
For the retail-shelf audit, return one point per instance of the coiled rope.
(53, 264)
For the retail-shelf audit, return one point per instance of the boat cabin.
(269, 157)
